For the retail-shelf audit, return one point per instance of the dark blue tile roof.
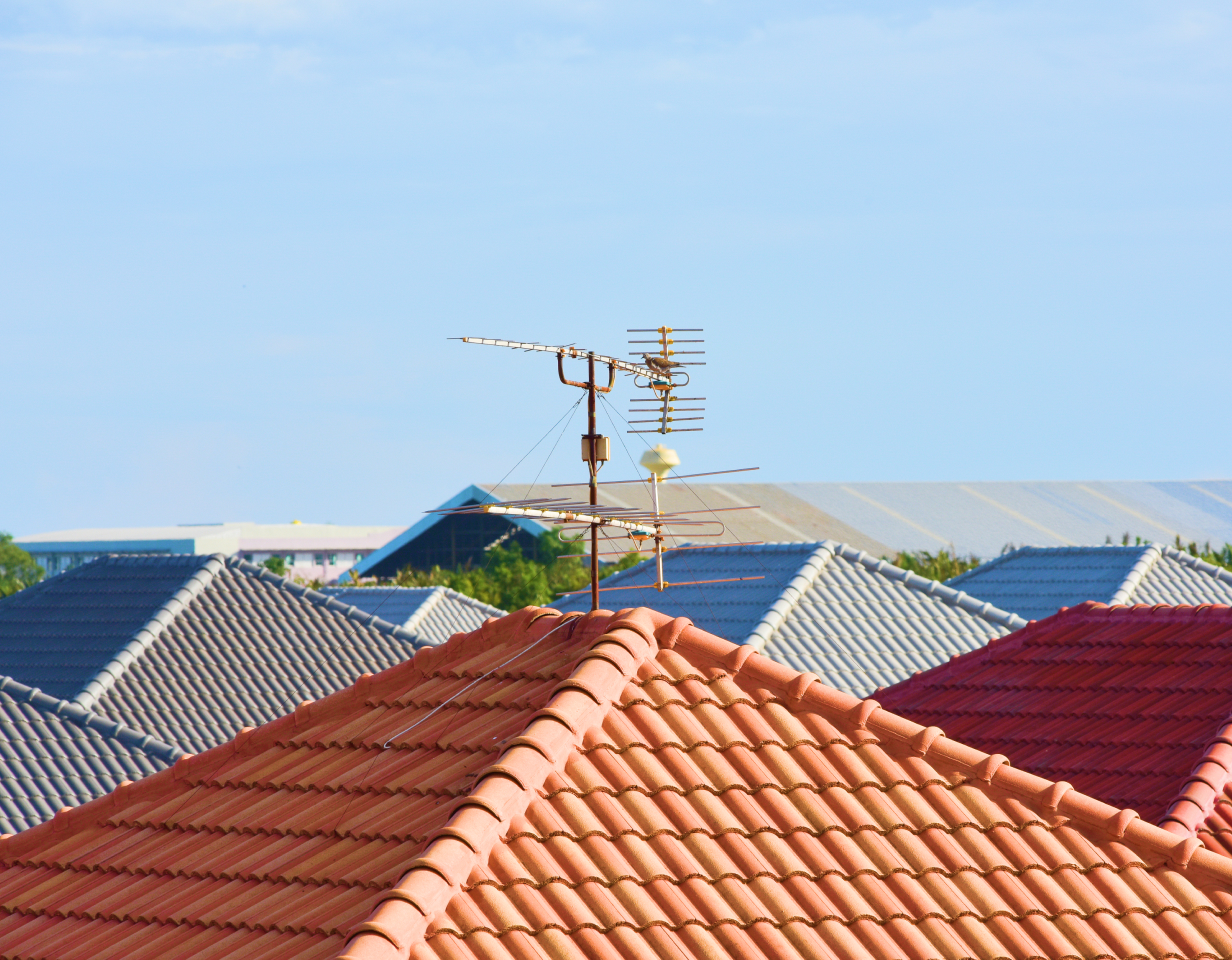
(191, 649)
(1036, 582)
(57, 635)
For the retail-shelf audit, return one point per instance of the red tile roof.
(610, 786)
(1129, 704)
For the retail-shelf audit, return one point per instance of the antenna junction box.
(603, 447)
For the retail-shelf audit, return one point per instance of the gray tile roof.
(432, 614)
(1036, 582)
(221, 644)
(856, 621)
(56, 754)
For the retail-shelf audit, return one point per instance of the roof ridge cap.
(791, 595)
(1149, 557)
(349, 611)
(430, 603)
(935, 588)
(501, 791)
(79, 716)
(472, 602)
(1196, 563)
(799, 689)
(425, 658)
(148, 633)
(1196, 797)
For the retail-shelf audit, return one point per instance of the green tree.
(939, 566)
(510, 580)
(18, 569)
(276, 564)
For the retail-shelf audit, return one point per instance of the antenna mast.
(660, 374)
(595, 450)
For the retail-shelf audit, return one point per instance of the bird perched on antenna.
(659, 364)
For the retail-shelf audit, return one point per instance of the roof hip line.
(507, 787)
(149, 632)
(350, 611)
(933, 588)
(78, 715)
(791, 596)
(1194, 802)
(873, 722)
(1189, 560)
(1133, 579)
(425, 608)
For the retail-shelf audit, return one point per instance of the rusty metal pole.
(594, 483)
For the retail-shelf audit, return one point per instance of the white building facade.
(309, 551)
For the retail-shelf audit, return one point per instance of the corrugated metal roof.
(630, 788)
(779, 515)
(854, 620)
(982, 518)
(971, 518)
(1036, 582)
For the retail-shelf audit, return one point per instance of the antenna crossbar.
(665, 585)
(683, 476)
(569, 351)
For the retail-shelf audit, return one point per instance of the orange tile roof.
(609, 786)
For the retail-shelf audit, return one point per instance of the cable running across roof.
(565, 618)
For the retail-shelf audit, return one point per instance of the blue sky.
(927, 242)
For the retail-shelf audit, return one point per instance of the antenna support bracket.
(611, 377)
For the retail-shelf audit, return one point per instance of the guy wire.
(351, 633)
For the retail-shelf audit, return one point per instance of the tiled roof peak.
(629, 641)
(798, 586)
(196, 584)
(1150, 556)
(715, 803)
(149, 632)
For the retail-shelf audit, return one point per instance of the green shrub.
(510, 581)
(939, 566)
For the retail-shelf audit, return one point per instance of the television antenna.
(668, 373)
(660, 374)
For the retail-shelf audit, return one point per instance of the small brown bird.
(659, 364)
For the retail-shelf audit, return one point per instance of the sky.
(946, 241)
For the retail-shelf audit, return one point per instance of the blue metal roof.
(471, 494)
